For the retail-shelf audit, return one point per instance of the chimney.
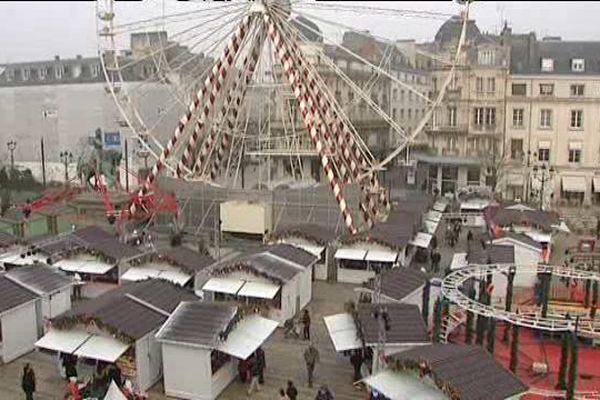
(551, 39)
(531, 47)
(78, 57)
(56, 58)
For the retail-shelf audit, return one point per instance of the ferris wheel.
(203, 89)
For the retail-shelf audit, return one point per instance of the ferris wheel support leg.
(192, 108)
(283, 53)
(316, 97)
(215, 81)
(233, 100)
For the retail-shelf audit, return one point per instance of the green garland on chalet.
(424, 369)
(241, 266)
(69, 322)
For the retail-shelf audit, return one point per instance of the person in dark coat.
(114, 374)
(311, 358)
(28, 382)
(306, 324)
(262, 362)
(356, 361)
(254, 381)
(291, 391)
(244, 370)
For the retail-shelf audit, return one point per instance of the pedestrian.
(244, 370)
(282, 395)
(78, 282)
(356, 361)
(259, 356)
(28, 381)
(324, 393)
(469, 236)
(74, 389)
(114, 374)
(306, 324)
(311, 357)
(291, 391)
(255, 380)
(70, 364)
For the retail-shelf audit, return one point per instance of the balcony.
(445, 128)
(484, 128)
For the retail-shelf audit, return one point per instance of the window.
(546, 89)
(410, 96)
(10, 75)
(519, 89)
(25, 74)
(577, 90)
(410, 113)
(574, 155)
(42, 73)
(95, 70)
(517, 117)
(484, 116)
(486, 57)
(394, 113)
(402, 95)
(479, 85)
(402, 113)
(543, 154)
(545, 118)
(451, 116)
(395, 94)
(547, 65)
(576, 118)
(491, 85)
(516, 149)
(473, 176)
(58, 71)
(578, 65)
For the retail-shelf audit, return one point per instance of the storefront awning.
(102, 348)
(259, 289)
(422, 240)
(342, 331)
(350, 254)
(399, 386)
(247, 336)
(381, 256)
(64, 341)
(574, 184)
(223, 285)
(93, 267)
(596, 183)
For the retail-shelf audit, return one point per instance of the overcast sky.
(39, 30)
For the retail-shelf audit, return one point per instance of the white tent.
(114, 393)
(399, 386)
(342, 331)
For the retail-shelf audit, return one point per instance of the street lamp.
(12, 145)
(542, 174)
(66, 157)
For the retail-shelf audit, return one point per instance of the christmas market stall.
(117, 328)
(176, 264)
(527, 252)
(202, 344)
(277, 280)
(315, 239)
(446, 371)
(358, 328)
(19, 319)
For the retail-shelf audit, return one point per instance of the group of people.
(453, 230)
(252, 370)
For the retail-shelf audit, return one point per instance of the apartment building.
(467, 128)
(552, 138)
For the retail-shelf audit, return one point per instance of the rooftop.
(320, 234)
(492, 254)
(40, 279)
(13, 294)
(188, 260)
(398, 283)
(406, 324)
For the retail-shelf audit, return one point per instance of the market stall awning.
(64, 341)
(102, 348)
(350, 254)
(474, 205)
(596, 182)
(177, 277)
(94, 267)
(434, 216)
(539, 237)
(315, 250)
(440, 206)
(431, 226)
(142, 273)
(342, 331)
(247, 336)
(574, 184)
(259, 289)
(381, 256)
(459, 260)
(16, 259)
(399, 386)
(135, 274)
(421, 240)
(223, 285)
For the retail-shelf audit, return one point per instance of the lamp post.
(12, 146)
(66, 157)
(542, 174)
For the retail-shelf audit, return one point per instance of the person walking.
(28, 381)
(260, 359)
(311, 357)
(356, 361)
(254, 381)
(324, 393)
(291, 391)
(283, 395)
(306, 324)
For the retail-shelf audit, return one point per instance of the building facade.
(553, 121)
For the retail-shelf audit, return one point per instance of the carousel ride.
(267, 96)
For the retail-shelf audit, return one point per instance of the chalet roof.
(320, 234)
(471, 370)
(398, 283)
(406, 324)
(40, 279)
(492, 254)
(187, 259)
(13, 295)
(133, 309)
(519, 237)
(506, 217)
(198, 323)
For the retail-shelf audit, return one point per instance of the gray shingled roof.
(543, 219)
(492, 254)
(105, 243)
(133, 309)
(197, 323)
(398, 283)
(317, 233)
(452, 27)
(522, 238)
(470, 369)
(187, 259)
(40, 279)
(406, 324)
(13, 295)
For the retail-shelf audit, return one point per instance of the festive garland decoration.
(242, 266)
(69, 322)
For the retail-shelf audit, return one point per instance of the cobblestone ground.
(283, 356)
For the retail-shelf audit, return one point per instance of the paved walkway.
(284, 361)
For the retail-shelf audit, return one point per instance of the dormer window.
(578, 65)
(547, 65)
(486, 57)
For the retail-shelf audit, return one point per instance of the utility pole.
(12, 146)
(126, 167)
(43, 162)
